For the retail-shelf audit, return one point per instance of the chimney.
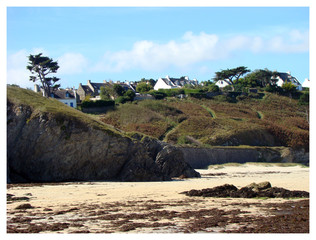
(186, 78)
(104, 81)
(288, 72)
(36, 88)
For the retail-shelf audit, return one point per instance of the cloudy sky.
(130, 43)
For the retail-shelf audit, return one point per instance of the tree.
(143, 87)
(119, 90)
(130, 95)
(104, 94)
(40, 67)
(231, 76)
(289, 88)
(258, 78)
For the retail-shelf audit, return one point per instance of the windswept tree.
(231, 76)
(259, 78)
(40, 67)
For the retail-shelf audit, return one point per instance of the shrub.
(183, 140)
(130, 95)
(273, 88)
(241, 97)
(158, 94)
(122, 99)
(289, 87)
(98, 103)
(143, 87)
(304, 99)
(213, 88)
(197, 95)
(254, 95)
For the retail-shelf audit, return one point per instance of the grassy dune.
(56, 109)
(271, 121)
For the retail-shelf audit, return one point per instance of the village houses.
(169, 83)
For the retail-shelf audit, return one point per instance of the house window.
(71, 104)
(67, 94)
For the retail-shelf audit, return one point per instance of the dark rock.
(247, 192)
(24, 206)
(171, 163)
(45, 147)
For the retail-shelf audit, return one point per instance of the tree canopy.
(258, 78)
(143, 87)
(40, 67)
(232, 75)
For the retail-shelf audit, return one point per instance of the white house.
(169, 83)
(306, 83)
(222, 83)
(66, 96)
(287, 77)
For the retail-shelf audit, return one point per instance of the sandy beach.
(153, 207)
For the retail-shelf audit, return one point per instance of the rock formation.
(253, 190)
(49, 147)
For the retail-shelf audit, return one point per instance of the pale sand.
(65, 196)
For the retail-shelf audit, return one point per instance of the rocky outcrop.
(203, 157)
(46, 147)
(253, 190)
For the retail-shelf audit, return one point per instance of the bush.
(143, 87)
(190, 91)
(158, 94)
(213, 88)
(122, 99)
(304, 99)
(98, 103)
(224, 98)
(241, 97)
(130, 95)
(197, 95)
(273, 88)
(183, 140)
(254, 95)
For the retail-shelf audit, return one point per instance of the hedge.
(98, 103)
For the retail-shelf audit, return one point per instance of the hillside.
(48, 141)
(270, 121)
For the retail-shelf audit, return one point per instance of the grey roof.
(86, 89)
(62, 94)
(286, 77)
(97, 86)
(178, 81)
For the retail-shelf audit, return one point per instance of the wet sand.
(158, 207)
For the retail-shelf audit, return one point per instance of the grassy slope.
(214, 123)
(40, 104)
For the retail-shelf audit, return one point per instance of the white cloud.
(192, 49)
(16, 69)
(293, 41)
(148, 55)
(71, 63)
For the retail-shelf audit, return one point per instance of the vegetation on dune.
(272, 120)
(60, 111)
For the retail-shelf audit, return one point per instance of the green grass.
(60, 111)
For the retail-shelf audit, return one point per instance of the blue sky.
(130, 43)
